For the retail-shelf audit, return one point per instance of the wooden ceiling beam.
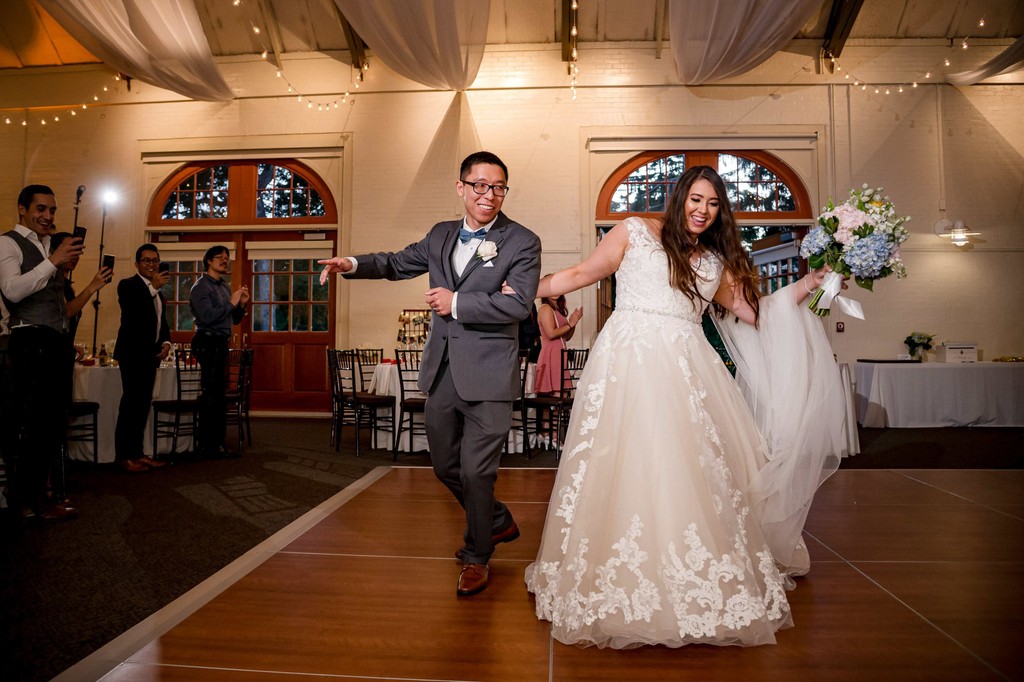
(356, 45)
(840, 22)
(273, 31)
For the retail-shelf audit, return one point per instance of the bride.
(677, 509)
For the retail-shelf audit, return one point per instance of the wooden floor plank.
(911, 579)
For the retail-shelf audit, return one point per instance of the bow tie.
(465, 235)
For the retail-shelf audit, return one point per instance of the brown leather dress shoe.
(150, 462)
(508, 535)
(132, 466)
(61, 512)
(473, 579)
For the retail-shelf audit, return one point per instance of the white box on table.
(957, 352)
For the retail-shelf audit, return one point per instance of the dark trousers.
(466, 440)
(40, 390)
(212, 353)
(137, 379)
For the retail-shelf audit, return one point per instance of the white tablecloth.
(385, 382)
(935, 394)
(103, 385)
(852, 438)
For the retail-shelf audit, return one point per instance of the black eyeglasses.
(482, 187)
(150, 261)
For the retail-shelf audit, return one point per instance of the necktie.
(465, 235)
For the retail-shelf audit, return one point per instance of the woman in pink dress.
(557, 326)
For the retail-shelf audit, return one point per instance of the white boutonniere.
(486, 251)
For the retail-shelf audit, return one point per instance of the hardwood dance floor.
(916, 575)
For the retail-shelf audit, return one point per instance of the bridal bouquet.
(859, 238)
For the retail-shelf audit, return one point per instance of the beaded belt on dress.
(652, 311)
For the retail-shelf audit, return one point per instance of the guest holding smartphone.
(143, 340)
(215, 308)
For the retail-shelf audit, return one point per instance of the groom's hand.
(337, 264)
(439, 300)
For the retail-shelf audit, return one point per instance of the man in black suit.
(143, 340)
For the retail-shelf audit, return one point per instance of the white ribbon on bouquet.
(831, 287)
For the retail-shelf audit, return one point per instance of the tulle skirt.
(650, 536)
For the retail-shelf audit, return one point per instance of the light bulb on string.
(946, 61)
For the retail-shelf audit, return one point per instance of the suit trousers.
(212, 352)
(137, 380)
(466, 440)
(40, 392)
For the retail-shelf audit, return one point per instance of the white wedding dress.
(651, 536)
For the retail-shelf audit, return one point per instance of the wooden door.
(290, 318)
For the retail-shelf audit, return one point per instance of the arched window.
(770, 203)
(251, 193)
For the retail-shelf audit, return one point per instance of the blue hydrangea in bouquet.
(859, 238)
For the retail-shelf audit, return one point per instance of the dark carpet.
(143, 540)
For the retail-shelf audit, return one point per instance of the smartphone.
(79, 233)
(164, 267)
(108, 260)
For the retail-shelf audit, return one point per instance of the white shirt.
(15, 285)
(155, 293)
(463, 254)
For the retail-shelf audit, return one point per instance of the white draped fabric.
(716, 39)
(160, 42)
(439, 43)
(1010, 59)
(790, 379)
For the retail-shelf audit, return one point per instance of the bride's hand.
(507, 290)
(818, 276)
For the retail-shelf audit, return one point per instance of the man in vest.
(32, 285)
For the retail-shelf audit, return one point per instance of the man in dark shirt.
(143, 340)
(215, 308)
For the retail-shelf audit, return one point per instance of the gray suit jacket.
(482, 344)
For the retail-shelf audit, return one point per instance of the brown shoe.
(151, 463)
(473, 579)
(61, 512)
(508, 535)
(132, 466)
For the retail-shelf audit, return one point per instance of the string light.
(310, 101)
(574, 67)
(900, 87)
(52, 115)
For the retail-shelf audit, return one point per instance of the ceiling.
(30, 38)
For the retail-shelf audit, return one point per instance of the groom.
(470, 367)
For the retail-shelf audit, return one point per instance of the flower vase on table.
(917, 343)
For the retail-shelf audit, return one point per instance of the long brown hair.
(721, 238)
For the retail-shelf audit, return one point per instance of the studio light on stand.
(108, 198)
(956, 232)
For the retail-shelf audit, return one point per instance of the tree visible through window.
(283, 193)
(202, 195)
(226, 193)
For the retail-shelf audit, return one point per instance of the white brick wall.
(406, 143)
